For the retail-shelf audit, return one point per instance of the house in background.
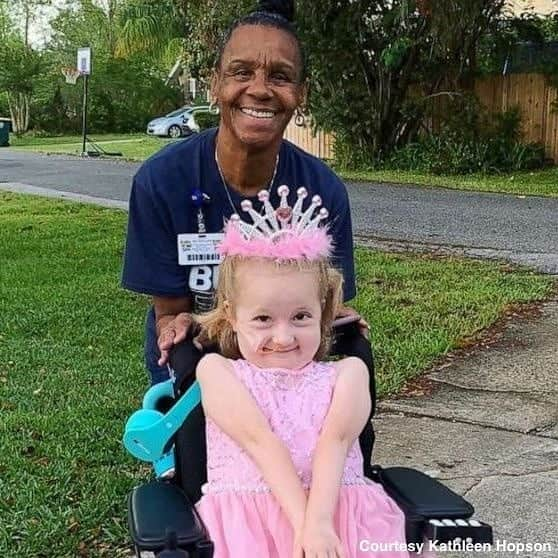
(539, 7)
(192, 88)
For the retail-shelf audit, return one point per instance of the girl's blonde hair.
(216, 325)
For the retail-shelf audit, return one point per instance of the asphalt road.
(519, 229)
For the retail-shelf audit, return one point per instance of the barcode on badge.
(203, 258)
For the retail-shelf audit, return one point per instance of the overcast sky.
(39, 29)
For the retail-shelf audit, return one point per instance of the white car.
(177, 123)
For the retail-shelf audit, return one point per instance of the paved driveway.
(101, 178)
(519, 229)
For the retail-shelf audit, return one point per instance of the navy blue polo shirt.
(161, 208)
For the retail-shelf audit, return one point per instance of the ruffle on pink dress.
(241, 514)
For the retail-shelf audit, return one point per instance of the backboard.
(84, 60)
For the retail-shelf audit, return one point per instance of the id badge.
(199, 248)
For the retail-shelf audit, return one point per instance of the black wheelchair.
(163, 521)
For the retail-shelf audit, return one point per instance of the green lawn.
(525, 183)
(140, 146)
(134, 147)
(71, 361)
(38, 142)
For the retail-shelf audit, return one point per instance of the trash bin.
(5, 124)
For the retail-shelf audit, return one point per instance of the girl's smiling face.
(276, 315)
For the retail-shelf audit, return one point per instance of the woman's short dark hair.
(268, 13)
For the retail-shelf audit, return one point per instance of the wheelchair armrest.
(431, 509)
(157, 509)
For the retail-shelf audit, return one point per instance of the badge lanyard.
(199, 199)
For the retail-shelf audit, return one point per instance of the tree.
(4, 19)
(111, 8)
(19, 63)
(373, 64)
(187, 29)
(155, 29)
(19, 66)
(125, 91)
(207, 21)
(366, 59)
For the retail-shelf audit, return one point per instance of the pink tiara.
(284, 233)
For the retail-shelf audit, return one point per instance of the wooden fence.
(534, 97)
(530, 92)
(319, 144)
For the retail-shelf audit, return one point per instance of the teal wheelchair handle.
(148, 431)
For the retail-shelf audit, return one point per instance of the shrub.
(466, 145)
(348, 156)
(206, 120)
(4, 108)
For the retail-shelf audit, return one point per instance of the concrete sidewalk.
(487, 425)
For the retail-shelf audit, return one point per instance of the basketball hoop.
(71, 74)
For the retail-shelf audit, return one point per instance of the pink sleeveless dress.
(241, 514)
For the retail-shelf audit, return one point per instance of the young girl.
(284, 465)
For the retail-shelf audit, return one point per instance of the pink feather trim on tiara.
(282, 233)
(286, 246)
